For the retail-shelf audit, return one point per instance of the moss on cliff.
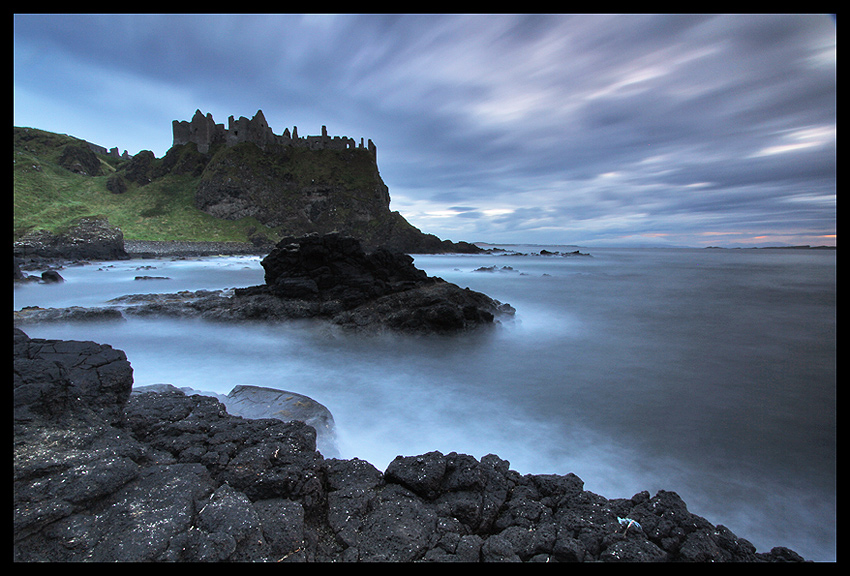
(227, 194)
(296, 190)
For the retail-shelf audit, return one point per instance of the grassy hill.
(51, 197)
(229, 194)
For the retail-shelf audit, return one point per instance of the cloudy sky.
(571, 129)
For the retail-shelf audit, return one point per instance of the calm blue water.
(708, 372)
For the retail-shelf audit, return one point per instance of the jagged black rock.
(103, 475)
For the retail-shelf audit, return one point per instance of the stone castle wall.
(111, 152)
(204, 132)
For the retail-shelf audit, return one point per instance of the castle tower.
(202, 131)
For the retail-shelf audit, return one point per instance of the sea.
(707, 372)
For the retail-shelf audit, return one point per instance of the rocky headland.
(242, 182)
(103, 474)
(325, 277)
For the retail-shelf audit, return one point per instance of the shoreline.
(166, 248)
(106, 475)
(625, 513)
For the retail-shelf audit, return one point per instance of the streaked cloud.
(548, 128)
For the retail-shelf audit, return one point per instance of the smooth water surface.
(707, 372)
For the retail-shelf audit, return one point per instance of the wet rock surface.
(256, 402)
(101, 474)
(335, 267)
(325, 277)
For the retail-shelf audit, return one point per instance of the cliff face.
(297, 190)
(299, 185)
(300, 191)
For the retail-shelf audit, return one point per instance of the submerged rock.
(105, 476)
(261, 402)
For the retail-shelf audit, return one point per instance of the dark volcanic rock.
(437, 307)
(334, 275)
(51, 277)
(330, 278)
(102, 475)
(335, 267)
(259, 402)
(31, 314)
(381, 288)
(94, 374)
(90, 238)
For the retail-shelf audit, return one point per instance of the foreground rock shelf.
(101, 474)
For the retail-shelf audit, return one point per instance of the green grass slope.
(49, 197)
(229, 194)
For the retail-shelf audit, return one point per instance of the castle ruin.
(204, 132)
(113, 152)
